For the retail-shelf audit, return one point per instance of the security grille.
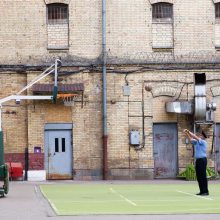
(162, 11)
(217, 10)
(57, 13)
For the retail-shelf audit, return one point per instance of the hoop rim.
(68, 99)
(66, 95)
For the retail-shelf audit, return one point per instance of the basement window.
(57, 13)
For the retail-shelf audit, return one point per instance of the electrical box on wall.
(126, 90)
(134, 137)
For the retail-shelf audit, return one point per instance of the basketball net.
(68, 99)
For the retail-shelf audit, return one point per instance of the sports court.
(131, 198)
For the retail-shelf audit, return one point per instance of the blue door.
(217, 147)
(58, 154)
(165, 150)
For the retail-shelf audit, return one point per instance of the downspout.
(104, 92)
(1, 140)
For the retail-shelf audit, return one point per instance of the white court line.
(199, 197)
(50, 202)
(35, 189)
(53, 206)
(123, 197)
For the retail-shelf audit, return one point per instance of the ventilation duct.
(181, 107)
(203, 112)
(200, 97)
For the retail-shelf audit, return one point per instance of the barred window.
(162, 11)
(217, 10)
(57, 13)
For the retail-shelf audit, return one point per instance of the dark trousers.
(200, 167)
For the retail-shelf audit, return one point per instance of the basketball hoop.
(68, 99)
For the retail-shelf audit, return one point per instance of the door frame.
(56, 127)
(177, 149)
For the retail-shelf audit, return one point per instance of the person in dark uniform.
(200, 148)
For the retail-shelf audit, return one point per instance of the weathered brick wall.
(194, 26)
(26, 127)
(23, 26)
(87, 131)
(162, 35)
(23, 34)
(23, 40)
(57, 36)
(14, 117)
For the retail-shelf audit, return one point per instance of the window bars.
(217, 10)
(162, 11)
(57, 13)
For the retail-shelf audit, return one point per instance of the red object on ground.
(15, 170)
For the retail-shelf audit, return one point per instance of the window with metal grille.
(57, 13)
(217, 10)
(162, 11)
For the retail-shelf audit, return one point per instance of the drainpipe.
(104, 92)
(1, 140)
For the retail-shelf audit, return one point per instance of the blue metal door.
(217, 147)
(165, 150)
(59, 154)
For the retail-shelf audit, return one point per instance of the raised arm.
(191, 135)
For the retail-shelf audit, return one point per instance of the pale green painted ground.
(88, 199)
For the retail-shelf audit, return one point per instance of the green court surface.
(95, 199)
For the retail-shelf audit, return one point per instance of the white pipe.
(20, 97)
(23, 97)
(52, 68)
(31, 97)
(35, 81)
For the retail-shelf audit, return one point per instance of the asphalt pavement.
(26, 202)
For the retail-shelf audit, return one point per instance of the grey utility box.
(134, 138)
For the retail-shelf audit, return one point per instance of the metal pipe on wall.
(1, 150)
(0, 117)
(104, 92)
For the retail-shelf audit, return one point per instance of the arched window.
(162, 11)
(57, 13)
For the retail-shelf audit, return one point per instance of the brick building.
(153, 51)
